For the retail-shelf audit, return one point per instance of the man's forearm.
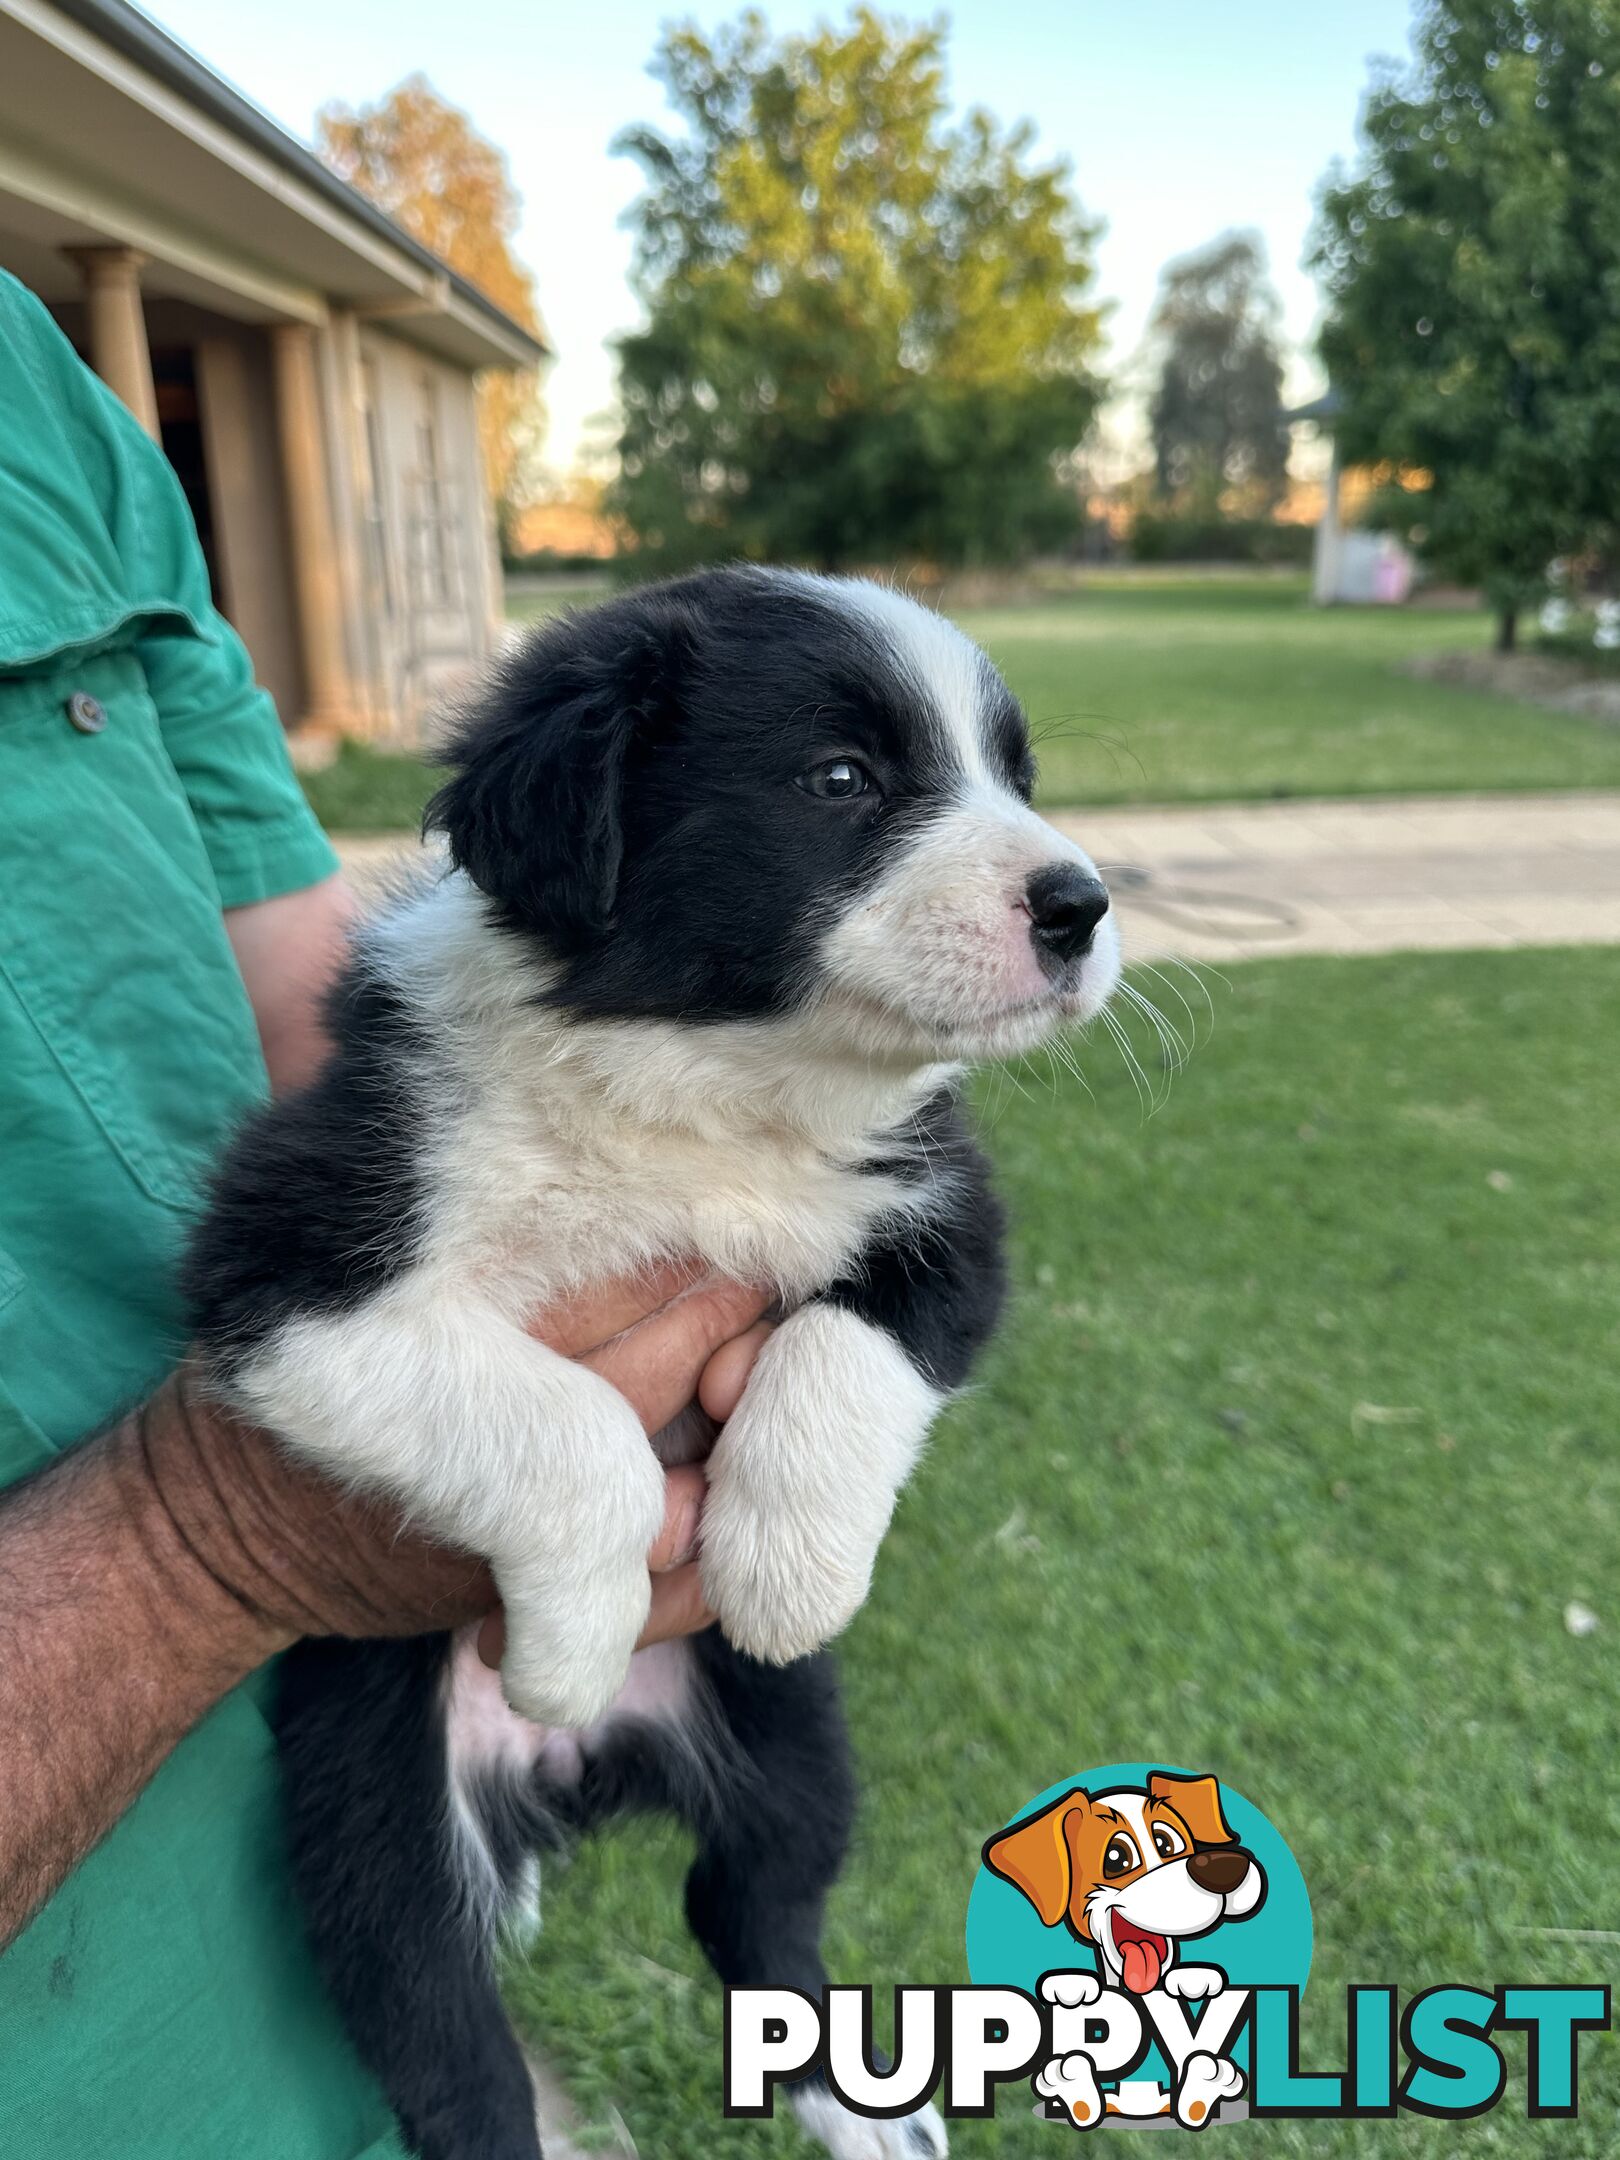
(115, 1639)
(146, 1574)
(288, 951)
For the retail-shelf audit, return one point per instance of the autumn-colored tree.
(869, 326)
(422, 160)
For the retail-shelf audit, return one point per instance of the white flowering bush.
(1578, 625)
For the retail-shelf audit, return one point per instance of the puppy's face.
(755, 792)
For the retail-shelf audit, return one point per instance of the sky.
(1180, 119)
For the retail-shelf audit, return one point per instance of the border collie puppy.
(742, 870)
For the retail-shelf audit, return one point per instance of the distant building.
(575, 526)
(307, 367)
(1351, 566)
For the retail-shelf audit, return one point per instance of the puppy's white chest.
(775, 1213)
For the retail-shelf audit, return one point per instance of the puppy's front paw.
(549, 1687)
(572, 1620)
(803, 1481)
(568, 1674)
(779, 1592)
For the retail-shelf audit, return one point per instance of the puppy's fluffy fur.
(742, 869)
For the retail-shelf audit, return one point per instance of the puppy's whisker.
(1059, 727)
(1152, 1096)
(1196, 970)
(1199, 969)
(1006, 1067)
(1175, 991)
(1064, 1047)
(1138, 1078)
(1173, 1048)
(994, 1108)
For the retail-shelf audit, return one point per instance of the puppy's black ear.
(534, 812)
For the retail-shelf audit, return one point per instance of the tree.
(424, 162)
(1218, 429)
(1472, 265)
(867, 332)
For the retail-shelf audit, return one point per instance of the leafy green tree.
(1472, 264)
(1219, 438)
(867, 330)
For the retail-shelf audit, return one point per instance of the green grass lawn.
(529, 603)
(1211, 689)
(1299, 1439)
(1170, 689)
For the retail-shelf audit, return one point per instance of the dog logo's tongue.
(1142, 1955)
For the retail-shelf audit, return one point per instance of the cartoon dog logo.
(1134, 1872)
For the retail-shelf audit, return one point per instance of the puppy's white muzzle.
(962, 942)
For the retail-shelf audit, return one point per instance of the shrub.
(1173, 536)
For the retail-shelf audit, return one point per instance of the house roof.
(110, 129)
(1327, 407)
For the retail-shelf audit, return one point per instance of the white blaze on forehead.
(939, 939)
(941, 665)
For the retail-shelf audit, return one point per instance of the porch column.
(118, 349)
(317, 571)
(1325, 575)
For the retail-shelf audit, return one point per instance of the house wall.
(429, 577)
(412, 550)
(250, 525)
(243, 522)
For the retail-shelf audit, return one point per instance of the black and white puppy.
(742, 871)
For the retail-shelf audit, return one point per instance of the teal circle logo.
(1133, 1885)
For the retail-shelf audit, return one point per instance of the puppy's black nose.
(1065, 906)
(1219, 1868)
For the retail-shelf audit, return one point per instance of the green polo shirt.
(163, 2006)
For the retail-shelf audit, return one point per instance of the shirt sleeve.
(220, 729)
(226, 744)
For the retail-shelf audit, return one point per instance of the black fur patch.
(314, 1206)
(361, 1733)
(935, 1283)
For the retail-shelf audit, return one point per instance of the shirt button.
(87, 714)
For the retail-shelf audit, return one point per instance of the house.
(306, 366)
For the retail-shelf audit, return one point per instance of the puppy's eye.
(1165, 1842)
(1121, 1855)
(839, 780)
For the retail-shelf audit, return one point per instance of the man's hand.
(146, 1574)
(300, 1557)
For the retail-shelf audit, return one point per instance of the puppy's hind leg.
(772, 1838)
(402, 1893)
